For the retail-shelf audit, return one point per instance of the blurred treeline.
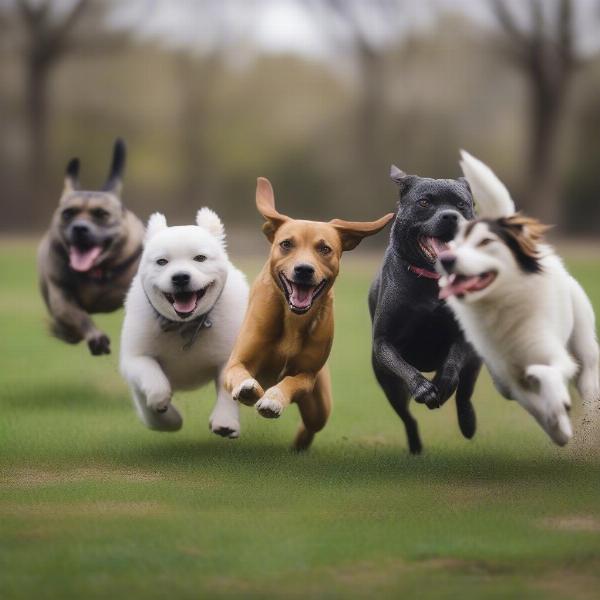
(205, 112)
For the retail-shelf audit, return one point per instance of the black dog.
(413, 330)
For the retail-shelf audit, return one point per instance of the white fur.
(534, 331)
(153, 361)
(490, 194)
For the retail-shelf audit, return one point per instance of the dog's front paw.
(99, 343)
(270, 405)
(427, 393)
(226, 427)
(158, 403)
(248, 392)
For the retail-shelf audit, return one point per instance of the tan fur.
(285, 353)
(526, 231)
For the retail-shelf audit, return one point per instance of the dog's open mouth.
(300, 296)
(431, 247)
(459, 285)
(185, 303)
(83, 259)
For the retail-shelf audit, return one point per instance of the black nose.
(448, 261)
(80, 229)
(304, 272)
(450, 215)
(180, 279)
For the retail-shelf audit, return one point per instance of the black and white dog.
(413, 330)
(527, 317)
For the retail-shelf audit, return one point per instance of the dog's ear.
(72, 176)
(400, 178)
(157, 222)
(209, 220)
(114, 181)
(265, 203)
(490, 194)
(352, 232)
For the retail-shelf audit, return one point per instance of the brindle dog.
(89, 256)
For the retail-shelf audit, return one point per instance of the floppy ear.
(209, 220)
(352, 232)
(72, 176)
(490, 194)
(114, 181)
(157, 222)
(265, 203)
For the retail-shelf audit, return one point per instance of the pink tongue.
(83, 260)
(185, 303)
(455, 288)
(301, 296)
(437, 245)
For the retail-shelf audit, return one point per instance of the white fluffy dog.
(530, 321)
(182, 316)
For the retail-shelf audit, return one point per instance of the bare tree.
(48, 38)
(542, 45)
(363, 29)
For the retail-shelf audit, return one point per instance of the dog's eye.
(68, 214)
(161, 262)
(461, 204)
(286, 245)
(324, 249)
(424, 202)
(200, 258)
(485, 242)
(99, 213)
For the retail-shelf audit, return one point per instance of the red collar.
(424, 272)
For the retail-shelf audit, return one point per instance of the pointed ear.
(157, 222)
(351, 233)
(72, 176)
(114, 181)
(209, 220)
(400, 178)
(265, 203)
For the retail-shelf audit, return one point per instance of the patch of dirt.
(106, 508)
(39, 477)
(569, 584)
(572, 523)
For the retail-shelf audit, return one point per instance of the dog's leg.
(464, 409)
(73, 324)
(446, 379)
(144, 374)
(225, 417)
(398, 396)
(584, 346)
(315, 409)
(280, 396)
(241, 384)
(389, 360)
(170, 420)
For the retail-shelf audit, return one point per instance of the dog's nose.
(304, 271)
(80, 229)
(447, 260)
(450, 215)
(180, 279)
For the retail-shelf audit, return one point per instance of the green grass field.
(93, 505)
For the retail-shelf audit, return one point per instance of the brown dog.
(287, 333)
(89, 256)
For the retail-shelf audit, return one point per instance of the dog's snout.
(180, 279)
(304, 271)
(80, 229)
(450, 216)
(447, 260)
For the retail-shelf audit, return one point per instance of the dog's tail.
(117, 167)
(490, 194)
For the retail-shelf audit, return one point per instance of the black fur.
(413, 330)
(117, 167)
